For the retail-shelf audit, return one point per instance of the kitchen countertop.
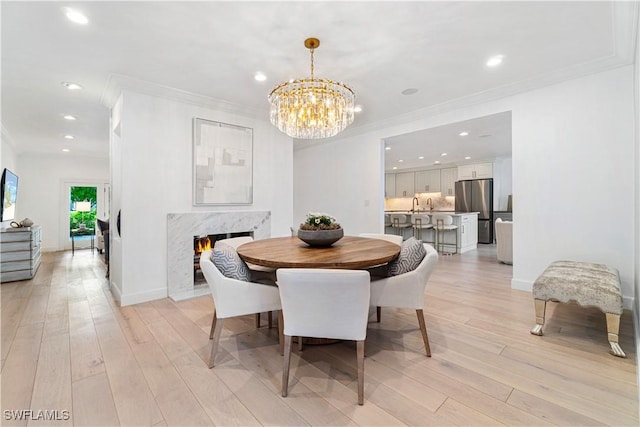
(452, 213)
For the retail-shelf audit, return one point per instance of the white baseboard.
(115, 290)
(136, 298)
(522, 285)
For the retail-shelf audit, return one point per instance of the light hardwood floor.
(66, 345)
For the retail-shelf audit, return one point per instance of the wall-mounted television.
(9, 190)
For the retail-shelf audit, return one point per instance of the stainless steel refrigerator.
(476, 195)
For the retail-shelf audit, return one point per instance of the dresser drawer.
(16, 265)
(15, 246)
(15, 256)
(15, 236)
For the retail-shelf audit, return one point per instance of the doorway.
(82, 214)
(83, 203)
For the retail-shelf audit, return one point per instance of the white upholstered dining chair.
(406, 290)
(234, 296)
(259, 274)
(504, 241)
(393, 238)
(322, 303)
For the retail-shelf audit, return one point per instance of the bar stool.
(387, 223)
(422, 222)
(443, 224)
(399, 223)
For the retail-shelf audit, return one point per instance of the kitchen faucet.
(415, 202)
(430, 203)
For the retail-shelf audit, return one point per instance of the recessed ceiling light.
(395, 167)
(443, 154)
(260, 76)
(69, 117)
(409, 91)
(66, 150)
(467, 158)
(71, 85)
(357, 109)
(464, 133)
(75, 16)
(421, 157)
(387, 148)
(494, 61)
(400, 161)
(68, 137)
(437, 162)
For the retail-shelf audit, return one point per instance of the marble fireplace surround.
(182, 227)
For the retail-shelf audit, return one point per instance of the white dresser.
(19, 253)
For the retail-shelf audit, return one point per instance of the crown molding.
(116, 84)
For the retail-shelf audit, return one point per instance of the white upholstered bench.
(590, 285)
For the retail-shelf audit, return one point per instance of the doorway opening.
(83, 202)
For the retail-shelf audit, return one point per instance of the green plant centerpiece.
(320, 230)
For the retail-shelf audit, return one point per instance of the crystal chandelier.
(312, 108)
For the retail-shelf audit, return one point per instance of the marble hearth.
(181, 227)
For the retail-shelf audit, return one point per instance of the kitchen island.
(467, 223)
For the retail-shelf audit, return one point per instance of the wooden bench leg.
(540, 305)
(613, 327)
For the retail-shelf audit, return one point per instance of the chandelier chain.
(312, 67)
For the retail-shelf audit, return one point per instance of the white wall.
(344, 179)
(502, 183)
(40, 186)
(152, 176)
(573, 164)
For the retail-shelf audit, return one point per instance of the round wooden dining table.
(350, 252)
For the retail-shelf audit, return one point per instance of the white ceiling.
(214, 48)
(488, 137)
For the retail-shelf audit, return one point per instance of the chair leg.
(270, 319)
(378, 313)
(257, 320)
(360, 363)
(423, 329)
(213, 324)
(216, 339)
(287, 363)
(281, 331)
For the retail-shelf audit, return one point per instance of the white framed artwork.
(222, 163)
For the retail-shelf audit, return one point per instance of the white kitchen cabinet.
(475, 171)
(467, 232)
(405, 185)
(389, 185)
(427, 181)
(448, 178)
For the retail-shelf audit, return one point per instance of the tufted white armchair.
(504, 241)
(407, 290)
(234, 298)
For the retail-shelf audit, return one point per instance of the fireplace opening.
(206, 242)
